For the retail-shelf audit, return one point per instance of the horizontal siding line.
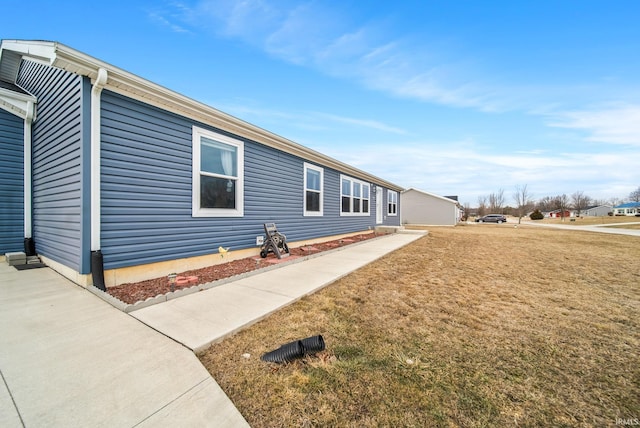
(149, 200)
(69, 184)
(115, 143)
(178, 233)
(149, 184)
(163, 168)
(139, 111)
(68, 162)
(117, 115)
(61, 110)
(59, 145)
(54, 158)
(70, 124)
(137, 156)
(152, 137)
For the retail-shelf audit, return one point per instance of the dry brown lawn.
(478, 325)
(588, 221)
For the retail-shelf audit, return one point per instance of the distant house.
(424, 208)
(597, 211)
(96, 161)
(560, 214)
(628, 209)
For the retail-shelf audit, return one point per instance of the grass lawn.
(478, 325)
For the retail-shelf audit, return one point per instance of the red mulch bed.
(135, 292)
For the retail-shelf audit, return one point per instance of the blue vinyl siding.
(146, 191)
(11, 183)
(57, 141)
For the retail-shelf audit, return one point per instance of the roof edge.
(133, 86)
(430, 194)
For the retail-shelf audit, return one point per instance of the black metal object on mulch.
(293, 350)
(275, 243)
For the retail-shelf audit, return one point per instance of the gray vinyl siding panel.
(146, 191)
(57, 162)
(11, 183)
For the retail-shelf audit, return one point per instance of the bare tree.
(523, 201)
(635, 195)
(562, 203)
(580, 201)
(547, 203)
(482, 205)
(496, 201)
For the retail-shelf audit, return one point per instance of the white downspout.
(28, 179)
(99, 83)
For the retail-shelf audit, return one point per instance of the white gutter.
(28, 179)
(98, 85)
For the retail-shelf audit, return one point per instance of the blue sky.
(452, 97)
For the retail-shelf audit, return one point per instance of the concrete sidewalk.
(68, 359)
(200, 319)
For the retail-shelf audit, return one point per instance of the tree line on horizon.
(495, 203)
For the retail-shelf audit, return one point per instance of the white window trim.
(395, 203)
(362, 198)
(306, 213)
(196, 211)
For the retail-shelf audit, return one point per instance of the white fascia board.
(411, 189)
(15, 103)
(40, 51)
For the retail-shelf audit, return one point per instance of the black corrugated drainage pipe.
(29, 247)
(285, 353)
(97, 270)
(313, 344)
(296, 349)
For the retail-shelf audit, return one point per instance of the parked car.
(492, 218)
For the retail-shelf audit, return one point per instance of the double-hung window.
(313, 190)
(354, 196)
(218, 175)
(392, 202)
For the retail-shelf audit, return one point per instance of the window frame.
(392, 202)
(352, 197)
(305, 211)
(196, 209)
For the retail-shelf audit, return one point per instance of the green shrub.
(536, 215)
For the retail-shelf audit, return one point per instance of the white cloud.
(461, 168)
(318, 36)
(168, 23)
(612, 125)
(365, 123)
(306, 119)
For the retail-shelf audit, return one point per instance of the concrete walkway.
(69, 359)
(200, 319)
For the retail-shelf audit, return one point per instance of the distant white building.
(424, 208)
(628, 209)
(597, 211)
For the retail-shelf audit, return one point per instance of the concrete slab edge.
(150, 301)
(116, 303)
